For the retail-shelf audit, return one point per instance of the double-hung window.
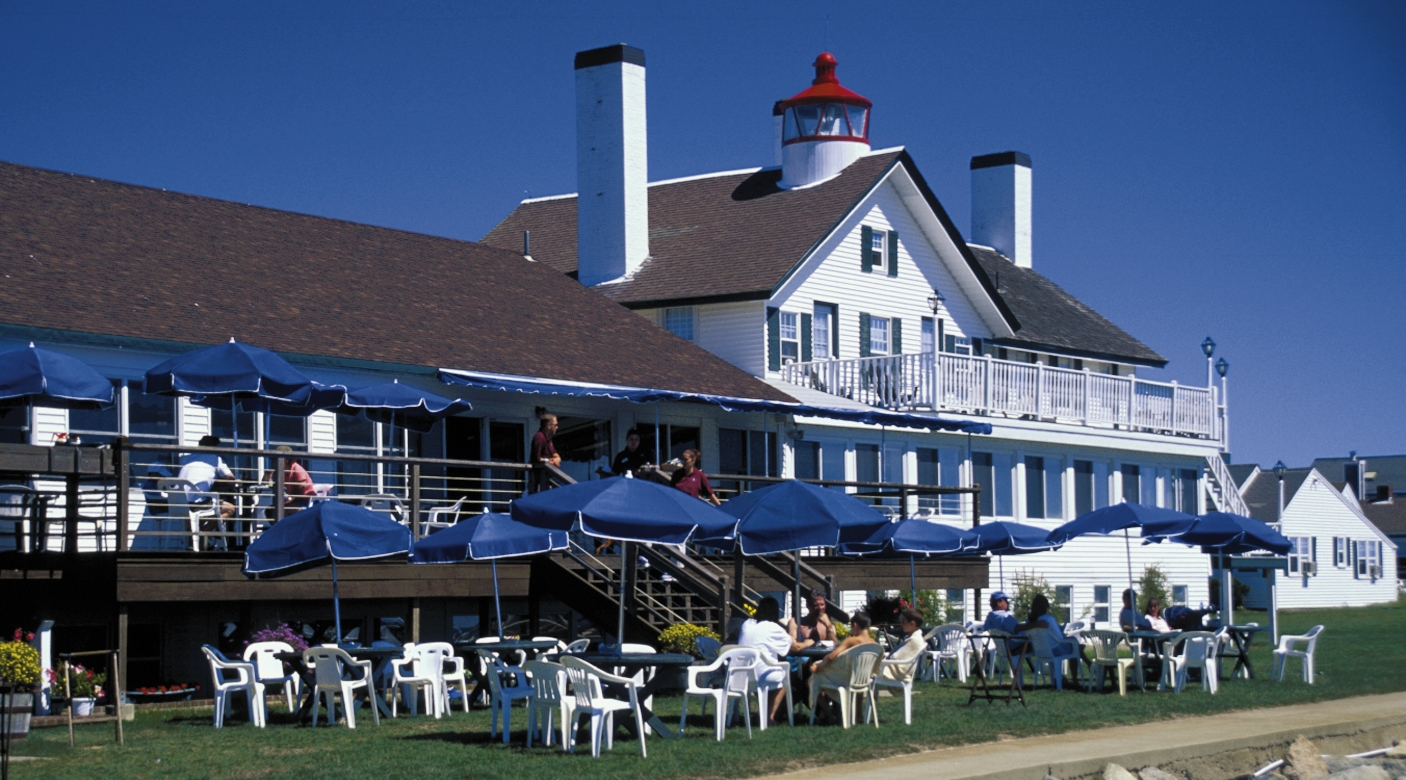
(1301, 555)
(1368, 560)
(821, 325)
(879, 341)
(1340, 551)
(1100, 605)
(678, 320)
(790, 337)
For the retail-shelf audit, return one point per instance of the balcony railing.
(987, 386)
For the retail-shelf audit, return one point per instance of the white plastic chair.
(586, 688)
(1286, 650)
(578, 646)
(764, 689)
(503, 695)
(444, 516)
(863, 660)
(1042, 642)
(641, 676)
(952, 648)
(244, 681)
(1198, 650)
(737, 666)
(269, 671)
(451, 674)
(547, 700)
(1104, 646)
(386, 504)
(421, 668)
(900, 675)
(328, 663)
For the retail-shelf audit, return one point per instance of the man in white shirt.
(201, 470)
(765, 633)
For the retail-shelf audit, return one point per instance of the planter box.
(18, 711)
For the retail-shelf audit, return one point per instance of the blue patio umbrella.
(631, 510)
(31, 375)
(791, 515)
(1222, 533)
(1002, 538)
(326, 531)
(322, 397)
(1118, 517)
(392, 403)
(231, 369)
(488, 536)
(913, 537)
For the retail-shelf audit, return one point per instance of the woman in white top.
(1154, 616)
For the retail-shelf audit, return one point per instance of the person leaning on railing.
(691, 479)
(297, 484)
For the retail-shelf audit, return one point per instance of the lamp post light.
(1209, 347)
(1223, 368)
(1279, 469)
(935, 301)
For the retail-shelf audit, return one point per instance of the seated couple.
(1001, 618)
(835, 668)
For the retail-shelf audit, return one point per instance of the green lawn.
(1360, 653)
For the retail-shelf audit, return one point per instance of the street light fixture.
(935, 301)
(1279, 469)
(1222, 367)
(1208, 346)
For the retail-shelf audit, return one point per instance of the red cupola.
(826, 111)
(823, 129)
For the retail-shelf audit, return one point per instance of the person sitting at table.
(764, 631)
(911, 621)
(1154, 616)
(206, 472)
(1128, 617)
(816, 626)
(834, 669)
(1000, 617)
(1040, 617)
(691, 479)
(297, 484)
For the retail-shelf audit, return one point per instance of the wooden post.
(122, 471)
(70, 511)
(739, 576)
(415, 501)
(122, 621)
(116, 685)
(724, 606)
(976, 521)
(415, 620)
(279, 491)
(68, 696)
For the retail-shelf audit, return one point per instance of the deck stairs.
(1224, 493)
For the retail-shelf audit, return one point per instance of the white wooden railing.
(987, 386)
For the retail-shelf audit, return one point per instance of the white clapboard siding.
(322, 432)
(48, 422)
(735, 332)
(193, 422)
(1318, 511)
(836, 275)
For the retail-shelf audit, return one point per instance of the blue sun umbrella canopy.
(631, 510)
(1117, 517)
(321, 397)
(38, 376)
(396, 404)
(791, 515)
(232, 369)
(1223, 532)
(1006, 538)
(914, 536)
(486, 537)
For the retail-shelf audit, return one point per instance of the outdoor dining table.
(633, 662)
(979, 678)
(1241, 635)
(309, 683)
(494, 648)
(1158, 640)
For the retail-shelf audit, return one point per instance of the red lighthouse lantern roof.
(826, 111)
(826, 87)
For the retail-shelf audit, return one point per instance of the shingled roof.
(736, 236)
(1262, 494)
(1052, 319)
(88, 256)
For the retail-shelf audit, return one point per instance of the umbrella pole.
(1128, 547)
(336, 602)
(497, 604)
(625, 556)
(1001, 564)
(1227, 592)
(913, 579)
(796, 586)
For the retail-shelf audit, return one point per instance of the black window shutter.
(951, 345)
(896, 343)
(835, 330)
(940, 344)
(893, 253)
(773, 339)
(863, 335)
(976, 348)
(806, 336)
(866, 248)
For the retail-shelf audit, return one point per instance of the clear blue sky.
(1233, 169)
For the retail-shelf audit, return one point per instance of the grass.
(1360, 653)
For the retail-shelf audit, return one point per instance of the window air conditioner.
(1375, 572)
(1310, 567)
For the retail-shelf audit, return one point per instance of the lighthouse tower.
(823, 130)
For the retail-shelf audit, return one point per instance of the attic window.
(678, 320)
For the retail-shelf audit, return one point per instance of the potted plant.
(19, 667)
(84, 686)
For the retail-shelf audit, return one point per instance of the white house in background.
(1340, 558)
(837, 276)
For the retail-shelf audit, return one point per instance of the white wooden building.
(837, 276)
(1340, 558)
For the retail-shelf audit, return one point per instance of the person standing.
(543, 450)
(691, 479)
(630, 459)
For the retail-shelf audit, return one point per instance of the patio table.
(376, 654)
(506, 646)
(979, 678)
(1241, 635)
(633, 662)
(1157, 639)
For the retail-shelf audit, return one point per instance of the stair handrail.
(701, 582)
(1229, 499)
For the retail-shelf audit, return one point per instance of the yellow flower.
(19, 663)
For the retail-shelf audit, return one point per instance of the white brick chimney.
(1001, 204)
(612, 176)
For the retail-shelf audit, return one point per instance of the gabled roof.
(1241, 472)
(737, 236)
(1262, 493)
(1388, 516)
(728, 237)
(1052, 319)
(86, 256)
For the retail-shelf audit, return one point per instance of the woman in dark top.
(691, 479)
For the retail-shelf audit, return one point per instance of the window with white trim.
(876, 245)
(1179, 594)
(1100, 613)
(790, 337)
(878, 336)
(678, 320)
(1301, 553)
(820, 331)
(1340, 551)
(1369, 560)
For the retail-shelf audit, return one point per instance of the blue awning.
(643, 395)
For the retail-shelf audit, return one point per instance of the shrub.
(1238, 592)
(19, 663)
(1153, 585)
(84, 683)
(284, 633)
(683, 637)
(1028, 585)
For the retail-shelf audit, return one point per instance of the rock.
(1115, 772)
(1364, 772)
(1397, 752)
(1153, 773)
(1342, 763)
(1305, 761)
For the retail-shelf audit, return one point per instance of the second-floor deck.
(987, 386)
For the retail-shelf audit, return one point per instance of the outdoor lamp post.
(935, 301)
(1279, 469)
(1223, 368)
(1209, 347)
